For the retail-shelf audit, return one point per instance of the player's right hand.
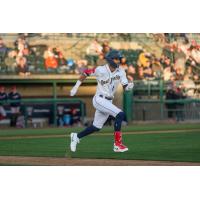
(73, 91)
(129, 86)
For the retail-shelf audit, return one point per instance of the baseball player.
(108, 77)
(3, 97)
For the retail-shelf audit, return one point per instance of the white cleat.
(74, 141)
(119, 147)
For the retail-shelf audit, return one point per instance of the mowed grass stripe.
(96, 134)
(183, 147)
(132, 128)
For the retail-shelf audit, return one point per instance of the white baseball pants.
(104, 108)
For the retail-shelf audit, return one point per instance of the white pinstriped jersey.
(108, 81)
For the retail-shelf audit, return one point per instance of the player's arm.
(125, 83)
(128, 86)
(83, 76)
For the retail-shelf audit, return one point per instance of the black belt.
(108, 98)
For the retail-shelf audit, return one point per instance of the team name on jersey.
(117, 77)
(104, 82)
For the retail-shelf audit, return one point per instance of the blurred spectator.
(140, 73)
(189, 86)
(143, 59)
(60, 115)
(3, 50)
(172, 78)
(129, 69)
(10, 61)
(195, 54)
(57, 52)
(148, 73)
(159, 37)
(185, 49)
(20, 121)
(106, 48)
(180, 59)
(189, 72)
(179, 75)
(162, 60)
(51, 63)
(101, 61)
(75, 117)
(165, 61)
(167, 68)
(71, 65)
(196, 79)
(15, 106)
(22, 46)
(169, 37)
(62, 62)
(179, 95)
(21, 43)
(81, 65)
(170, 95)
(94, 48)
(156, 68)
(3, 97)
(125, 36)
(22, 67)
(48, 53)
(124, 64)
(184, 36)
(131, 73)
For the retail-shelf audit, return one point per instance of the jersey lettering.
(104, 82)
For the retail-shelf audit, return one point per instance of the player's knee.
(95, 128)
(120, 116)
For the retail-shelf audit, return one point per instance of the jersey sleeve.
(123, 80)
(88, 72)
(91, 72)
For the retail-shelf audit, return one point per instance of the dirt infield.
(47, 161)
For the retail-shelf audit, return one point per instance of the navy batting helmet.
(111, 55)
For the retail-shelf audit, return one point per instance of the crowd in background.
(25, 59)
(179, 64)
(177, 60)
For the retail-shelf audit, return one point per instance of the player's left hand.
(129, 86)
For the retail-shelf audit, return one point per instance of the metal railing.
(148, 101)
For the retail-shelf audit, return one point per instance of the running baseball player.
(108, 77)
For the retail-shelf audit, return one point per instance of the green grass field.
(178, 142)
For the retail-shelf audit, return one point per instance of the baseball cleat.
(119, 148)
(74, 141)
